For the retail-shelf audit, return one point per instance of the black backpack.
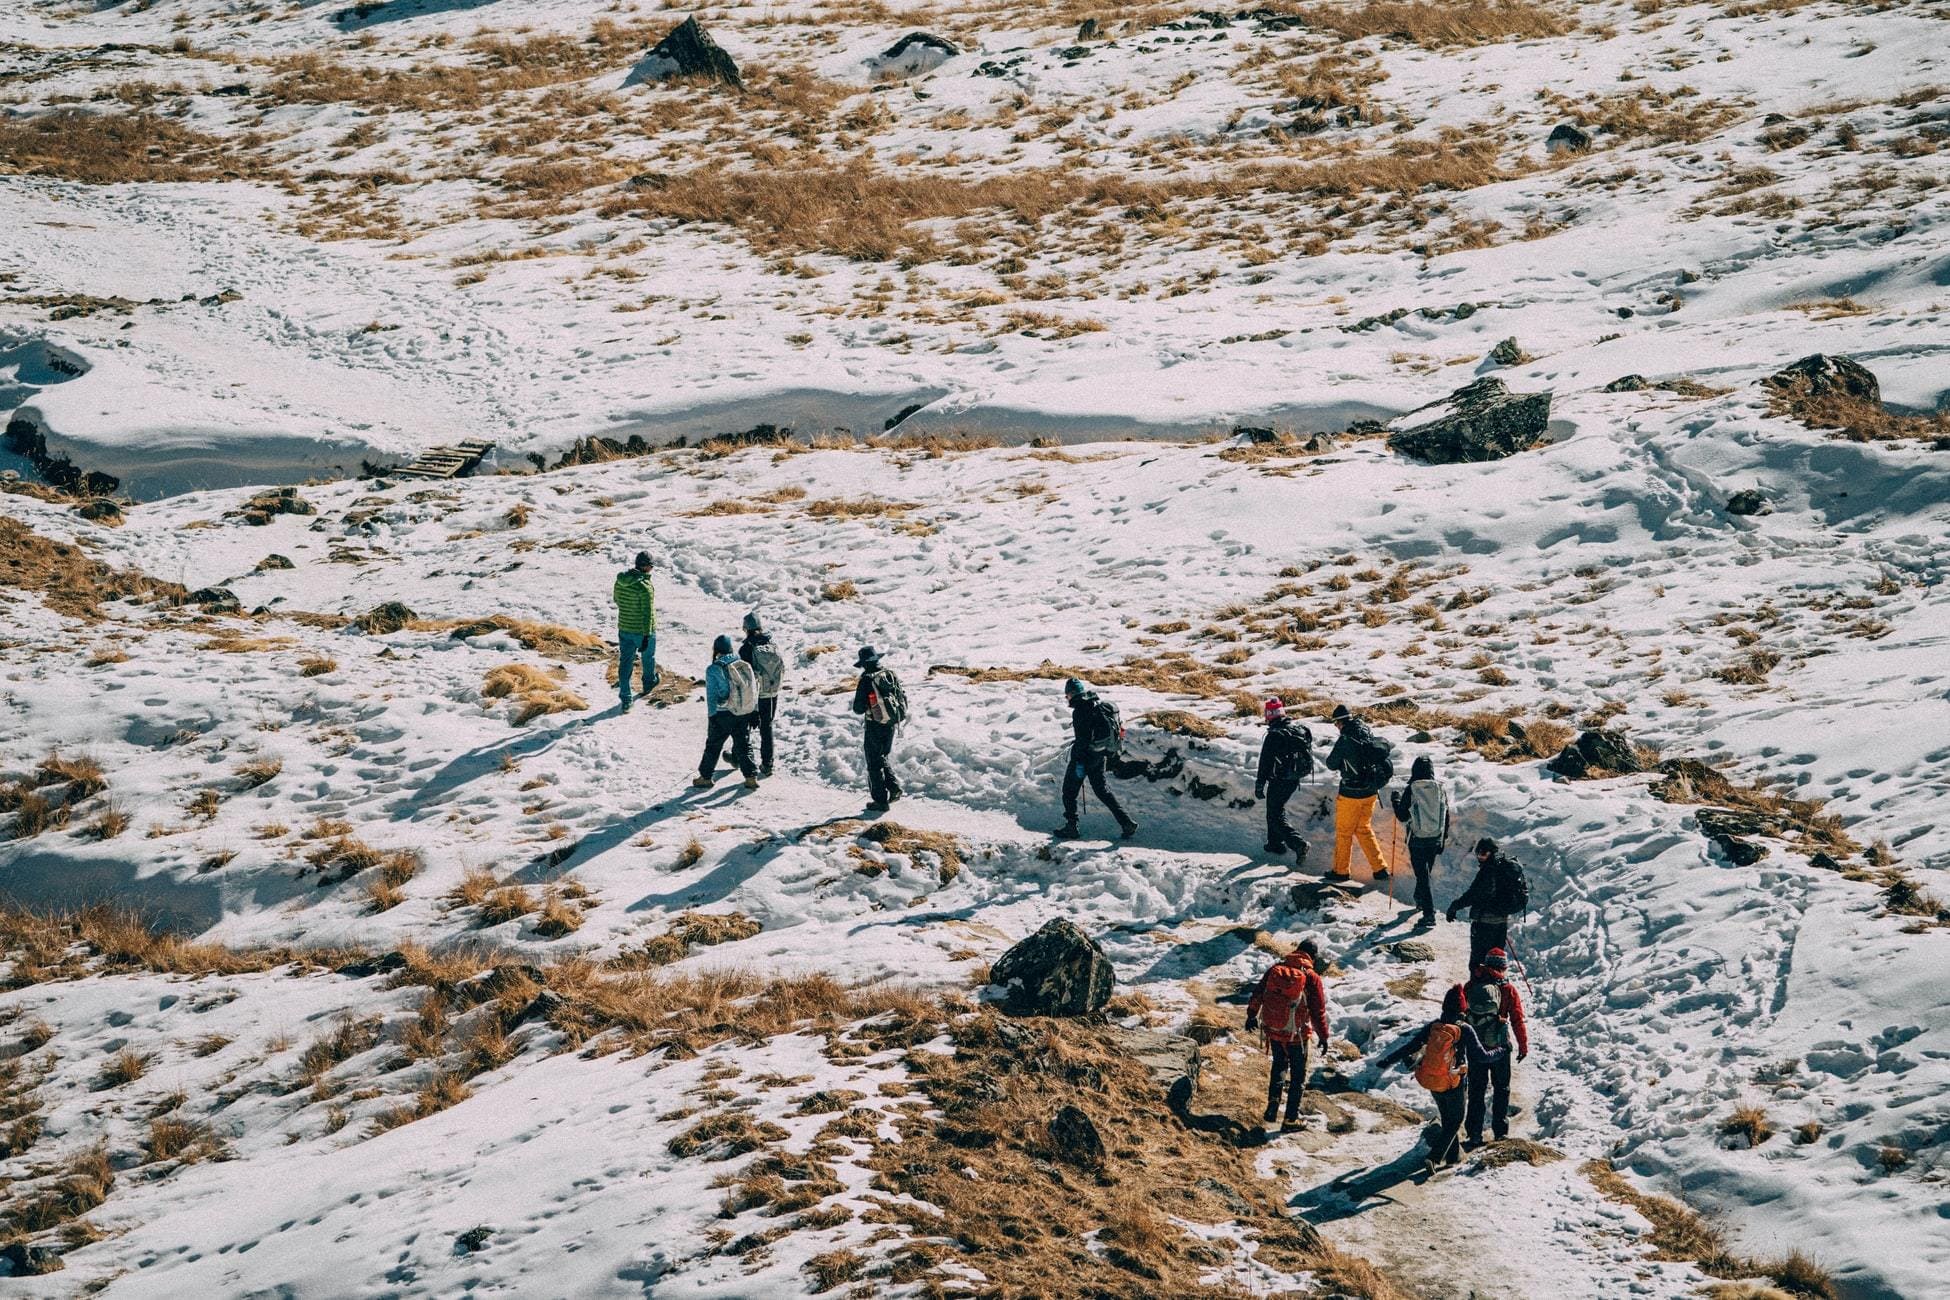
(889, 706)
(1373, 763)
(1293, 756)
(1106, 727)
(1509, 891)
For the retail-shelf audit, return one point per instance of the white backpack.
(742, 696)
(769, 666)
(1426, 807)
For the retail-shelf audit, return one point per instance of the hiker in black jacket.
(1286, 757)
(767, 665)
(1498, 893)
(1095, 738)
(880, 700)
(1366, 764)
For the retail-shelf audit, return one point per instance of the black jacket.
(752, 641)
(1483, 889)
(1084, 727)
(1287, 751)
(864, 689)
(1356, 736)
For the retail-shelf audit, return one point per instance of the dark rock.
(686, 50)
(1715, 822)
(1628, 384)
(1057, 971)
(272, 502)
(1484, 421)
(1255, 433)
(274, 561)
(900, 417)
(914, 54)
(24, 1260)
(759, 435)
(365, 967)
(1820, 375)
(219, 298)
(472, 1240)
(1075, 1137)
(1411, 950)
(382, 619)
(1596, 753)
(542, 1007)
(1236, 1205)
(1509, 353)
(1172, 1060)
(1751, 501)
(232, 88)
(100, 510)
(1740, 852)
(1089, 30)
(1625, 313)
(1568, 138)
(216, 600)
(647, 181)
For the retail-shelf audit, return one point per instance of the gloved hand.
(1450, 913)
(1252, 1022)
(1259, 791)
(1522, 1052)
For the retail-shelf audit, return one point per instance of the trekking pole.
(1395, 861)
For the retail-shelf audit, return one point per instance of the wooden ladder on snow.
(444, 462)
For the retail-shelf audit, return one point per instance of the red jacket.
(1458, 998)
(1316, 999)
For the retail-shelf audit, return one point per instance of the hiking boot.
(876, 807)
(1274, 849)
(1471, 1143)
(1427, 922)
(1272, 1111)
(895, 793)
(1128, 829)
(751, 783)
(625, 707)
(1381, 874)
(1067, 831)
(765, 773)
(1290, 1125)
(701, 782)
(1299, 855)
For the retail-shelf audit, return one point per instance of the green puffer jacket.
(636, 603)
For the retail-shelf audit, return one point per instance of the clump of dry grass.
(1689, 781)
(255, 772)
(126, 1066)
(184, 1140)
(1179, 722)
(558, 916)
(892, 837)
(317, 665)
(65, 945)
(506, 903)
(81, 774)
(350, 1036)
(444, 1089)
(69, 581)
(1680, 1233)
(867, 507)
(533, 691)
(77, 1187)
(102, 148)
(1447, 24)
(838, 591)
(690, 930)
(548, 639)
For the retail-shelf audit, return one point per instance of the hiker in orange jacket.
(1490, 1004)
(1450, 1055)
(1289, 1002)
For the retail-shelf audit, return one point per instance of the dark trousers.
(766, 708)
(1483, 936)
(1449, 1111)
(737, 730)
(1289, 1061)
(1279, 835)
(1421, 857)
(1495, 1080)
(880, 773)
(1092, 767)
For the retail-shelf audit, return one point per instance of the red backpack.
(1283, 1002)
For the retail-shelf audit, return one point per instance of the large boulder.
(912, 55)
(687, 50)
(1820, 375)
(1075, 1138)
(1568, 138)
(1057, 971)
(1597, 753)
(1484, 421)
(1172, 1060)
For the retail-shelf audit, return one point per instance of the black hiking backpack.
(1509, 889)
(887, 701)
(1373, 763)
(1106, 727)
(1293, 759)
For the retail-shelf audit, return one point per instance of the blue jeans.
(628, 646)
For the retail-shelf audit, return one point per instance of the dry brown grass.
(317, 665)
(255, 772)
(1857, 419)
(187, 1141)
(1178, 722)
(1689, 781)
(444, 1089)
(690, 930)
(867, 507)
(126, 1066)
(67, 945)
(71, 582)
(1680, 1233)
(506, 903)
(558, 916)
(104, 148)
(548, 639)
(1446, 24)
(944, 849)
(110, 822)
(77, 1187)
(838, 591)
(534, 692)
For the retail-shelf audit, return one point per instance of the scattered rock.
(1628, 384)
(1715, 822)
(1751, 501)
(542, 1007)
(647, 181)
(1597, 753)
(24, 1260)
(1568, 138)
(1740, 852)
(1255, 434)
(366, 967)
(216, 600)
(274, 561)
(687, 50)
(270, 503)
(382, 619)
(1057, 971)
(1483, 421)
(1411, 950)
(1820, 375)
(1172, 1060)
(219, 298)
(472, 1240)
(1075, 1137)
(1509, 353)
(230, 88)
(100, 510)
(1089, 30)
(912, 55)
(900, 417)
(1235, 1204)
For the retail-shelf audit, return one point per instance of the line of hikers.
(1463, 1056)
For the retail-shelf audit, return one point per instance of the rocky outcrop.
(1057, 971)
(101, 510)
(1568, 138)
(912, 55)
(215, 600)
(1075, 1138)
(1821, 375)
(687, 50)
(381, 619)
(1172, 1060)
(1597, 753)
(1750, 501)
(1484, 421)
(270, 503)
(1628, 384)
(1509, 353)
(23, 1260)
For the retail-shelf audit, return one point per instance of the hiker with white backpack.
(1423, 808)
(879, 699)
(768, 665)
(730, 706)
(1097, 737)
(1451, 1055)
(1289, 1004)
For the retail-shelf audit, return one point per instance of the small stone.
(24, 1260)
(1750, 501)
(1509, 353)
(1075, 1137)
(1412, 950)
(1628, 384)
(216, 600)
(1568, 138)
(382, 619)
(474, 1239)
(273, 562)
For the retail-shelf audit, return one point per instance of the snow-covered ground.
(1599, 578)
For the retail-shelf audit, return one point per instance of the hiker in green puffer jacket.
(636, 626)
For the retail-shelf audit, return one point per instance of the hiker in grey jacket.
(730, 700)
(769, 667)
(1423, 808)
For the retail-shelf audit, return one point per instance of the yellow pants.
(1353, 821)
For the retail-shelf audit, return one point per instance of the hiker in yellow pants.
(1366, 764)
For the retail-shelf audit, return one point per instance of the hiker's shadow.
(554, 862)
(1223, 1127)
(464, 769)
(1358, 1192)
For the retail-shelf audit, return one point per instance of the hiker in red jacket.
(1489, 1003)
(1289, 1002)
